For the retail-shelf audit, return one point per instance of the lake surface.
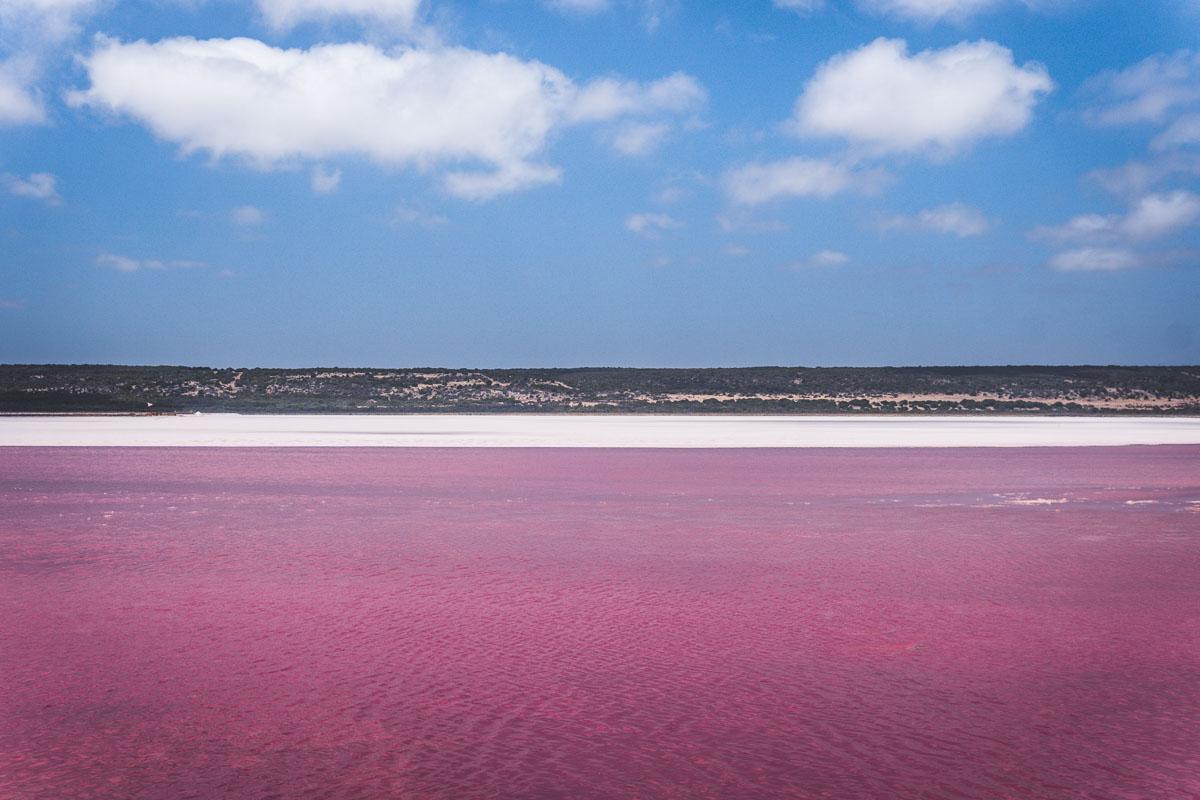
(520, 623)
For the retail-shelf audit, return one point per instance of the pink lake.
(396, 623)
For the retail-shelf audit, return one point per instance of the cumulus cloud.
(1147, 92)
(489, 114)
(1162, 91)
(247, 216)
(1083, 227)
(823, 259)
(955, 219)
(578, 6)
(650, 225)
(608, 98)
(407, 215)
(1153, 216)
(1183, 132)
(30, 30)
(653, 12)
(325, 181)
(757, 183)
(1159, 215)
(640, 138)
(1110, 242)
(285, 14)
(1137, 177)
(18, 104)
(678, 188)
(1096, 259)
(921, 11)
(800, 6)
(38, 186)
(44, 20)
(937, 101)
(127, 264)
(508, 178)
(930, 10)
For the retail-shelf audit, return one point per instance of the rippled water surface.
(257, 623)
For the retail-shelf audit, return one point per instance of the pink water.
(600, 624)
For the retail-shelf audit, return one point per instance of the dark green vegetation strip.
(758, 390)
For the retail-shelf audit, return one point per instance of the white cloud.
(640, 138)
(937, 101)
(955, 219)
(30, 31)
(282, 15)
(800, 6)
(491, 114)
(823, 259)
(653, 12)
(485, 185)
(19, 105)
(44, 20)
(609, 98)
(1081, 228)
(921, 11)
(1153, 216)
(1108, 240)
(756, 183)
(1137, 177)
(930, 10)
(406, 215)
(1096, 259)
(578, 6)
(38, 186)
(1159, 215)
(126, 264)
(1149, 91)
(651, 225)
(247, 216)
(676, 190)
(1162, 91)
(1182, 132)
(326, 181)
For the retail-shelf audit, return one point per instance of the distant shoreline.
(1098, 414)
(1021, 391)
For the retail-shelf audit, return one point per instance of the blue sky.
(592, 182)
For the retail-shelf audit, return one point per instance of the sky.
(557, 183)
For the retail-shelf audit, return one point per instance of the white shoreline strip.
(545, 430)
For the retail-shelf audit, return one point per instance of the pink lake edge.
(591, 623)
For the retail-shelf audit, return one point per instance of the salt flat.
(528, 430)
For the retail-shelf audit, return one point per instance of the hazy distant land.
(26, 389)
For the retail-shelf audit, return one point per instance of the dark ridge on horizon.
(577, 368)
(57, 388)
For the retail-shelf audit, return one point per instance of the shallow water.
(838, 624)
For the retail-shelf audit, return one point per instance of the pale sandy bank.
(229, 430)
